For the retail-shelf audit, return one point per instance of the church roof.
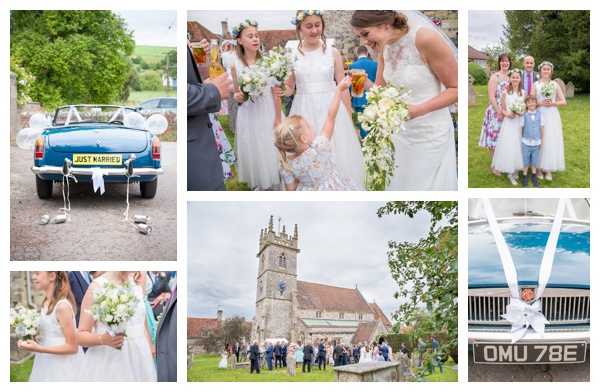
(331, 298)
(364, 332)
(379, 315)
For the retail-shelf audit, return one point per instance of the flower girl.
(256, 118)
(116, 356)
(310, 164)
(508, 157)
(549, 96)
(58, 357)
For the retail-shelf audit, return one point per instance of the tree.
(150, 80)
(559, 36)
(231, 330)
(427, 271)
(76, 56)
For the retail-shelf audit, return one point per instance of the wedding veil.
(416, 18)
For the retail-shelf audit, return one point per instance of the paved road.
(96, 230)
(524, 373)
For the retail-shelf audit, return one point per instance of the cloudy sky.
(152, 28)
(267, 20)
(341, 244)
(485, 28)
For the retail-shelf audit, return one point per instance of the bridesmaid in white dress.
(418, 58)
(58, 357)
(317, 70)
(118, 357)
(552, 153)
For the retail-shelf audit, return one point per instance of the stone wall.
(19, 296)
(337, 26)
(335, 315)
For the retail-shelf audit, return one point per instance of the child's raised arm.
(329, 123)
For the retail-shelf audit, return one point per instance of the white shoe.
(512, 179)
(549, 176)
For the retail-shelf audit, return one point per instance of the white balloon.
(157, 124)
(38, 121)
(134, 120)
(26, 138)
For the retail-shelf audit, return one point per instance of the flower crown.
(545, 63)
(237, 29)
(512, 71)
(300, 17)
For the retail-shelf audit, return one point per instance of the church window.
(360, 316)
(282, 261)
(319, 314)
(341, 316)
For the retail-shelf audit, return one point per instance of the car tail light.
(155, 148)
(39, 148)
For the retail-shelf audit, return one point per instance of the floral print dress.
(491, 122)
(226, 153)
(316, 170)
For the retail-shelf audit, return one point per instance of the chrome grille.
(560, 306)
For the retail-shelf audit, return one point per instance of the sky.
(485, 28)
(341, 244)
(267, 20)
(152, 28)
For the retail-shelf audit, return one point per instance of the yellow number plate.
(97, 159)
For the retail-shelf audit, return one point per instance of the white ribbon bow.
(523, 315)
(98, 179)
(519, 313)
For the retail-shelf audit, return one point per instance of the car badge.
(527, 294)
(98, 143)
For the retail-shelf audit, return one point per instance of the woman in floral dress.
(492, 122)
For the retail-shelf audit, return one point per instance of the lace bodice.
(404, 66)
(314, 67)
(50, 326)
(140, 313)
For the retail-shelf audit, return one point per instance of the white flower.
(370, 113)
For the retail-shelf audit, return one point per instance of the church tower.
(274, 316)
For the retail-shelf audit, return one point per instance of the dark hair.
(376, 18)
(299, 35)
(240, 51)
(503, 56)
(62, 290)
(362, 49)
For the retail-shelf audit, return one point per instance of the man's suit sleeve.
(202, 99)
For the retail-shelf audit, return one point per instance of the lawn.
(20, 372)
(205, 368)
(576, 132)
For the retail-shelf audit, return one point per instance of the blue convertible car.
(529, 280)
(97, 140)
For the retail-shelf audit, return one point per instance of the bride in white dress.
(412, 55)
(116, 358)
(317, 70)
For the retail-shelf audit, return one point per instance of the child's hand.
(344, 84)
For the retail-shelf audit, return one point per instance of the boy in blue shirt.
(532, 129)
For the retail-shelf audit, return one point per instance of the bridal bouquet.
(384, 115)
(252, 83)
(518, 107)
(278, 65)
(548, 89)
(26, 322)
(114, 305)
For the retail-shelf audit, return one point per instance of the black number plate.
(520, 353)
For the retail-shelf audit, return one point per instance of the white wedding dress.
(315, 87)
(133, 362)
(52, 367)
(425, 156)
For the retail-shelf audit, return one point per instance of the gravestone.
(472, 93)
(570, 90)
(378, 371)
(561, 85)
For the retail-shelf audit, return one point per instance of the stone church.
(295, 310)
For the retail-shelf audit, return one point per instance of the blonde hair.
(62, 290)
(299, 34)
(287, 134)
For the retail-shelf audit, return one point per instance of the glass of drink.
(358, 82)
(199, 54)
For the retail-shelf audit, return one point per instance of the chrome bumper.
(551, 333)
(87, 171)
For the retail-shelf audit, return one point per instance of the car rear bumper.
(497, 334)
(49, 171)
